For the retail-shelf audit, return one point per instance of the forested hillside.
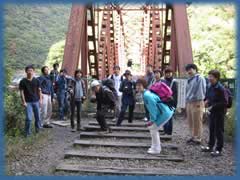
(30, 30)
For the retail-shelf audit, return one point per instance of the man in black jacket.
(216, 102)
(127, 87)
(105, 101)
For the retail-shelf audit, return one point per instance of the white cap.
(95, 83)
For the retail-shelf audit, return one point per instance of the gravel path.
(44, 156)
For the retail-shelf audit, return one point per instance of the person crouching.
(105, 101)
(159, 113)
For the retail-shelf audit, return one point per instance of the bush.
(230, 123)
(14, 114)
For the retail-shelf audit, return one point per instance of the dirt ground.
(42, 154)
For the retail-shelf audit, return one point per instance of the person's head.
(29, 71)
(128, 74)
(55, 66)
(149, 68)
(213, 76)
(141, 85)
(116, 69)
(157, 73)
(78, 74)
(63, 72)
(45, 70)
(95, 86)
(191, 69)
(168, 73)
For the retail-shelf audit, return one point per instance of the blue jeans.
(62, 104)
(32, 109)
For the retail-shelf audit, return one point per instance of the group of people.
(118, 93)
(38, 93)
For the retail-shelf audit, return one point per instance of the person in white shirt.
(117, 78)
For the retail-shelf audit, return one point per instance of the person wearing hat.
(105, 100)
(117, 78)
(127, 87)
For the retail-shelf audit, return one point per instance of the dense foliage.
(213, 36)
(30, 30)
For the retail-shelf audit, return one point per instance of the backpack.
(228, 97)
(110, 84)
(162, 90)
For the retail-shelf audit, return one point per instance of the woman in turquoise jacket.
(159, 112)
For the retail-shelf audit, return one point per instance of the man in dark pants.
(127, 87)
(149, 77)
(105, 101)
(168, 79)
(216, 102)
(78, 95)
(54, 76)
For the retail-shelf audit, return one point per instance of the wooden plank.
(121, 144)
(120, 135)
(121, 170)
(111, 123)
(118, 128)
(75, 153)
(61, 123)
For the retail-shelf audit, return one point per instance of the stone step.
(117, 128)
(121, 135)
(77, 153)
(124, 123)
(121, 144)
(120, 170)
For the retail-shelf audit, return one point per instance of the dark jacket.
(62, 84)
(216, 98)
(72, 87)
(128, 89)
(174, 88)
(46, 85)
(105, 98)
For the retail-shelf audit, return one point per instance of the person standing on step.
(172, 83)
(54, 76)
(62, 86)
(31, 97)
(106, 100)
(47, 97)
(127, 87)
(216, 102)
(117, 78)
(159, 114)
(195, 95)
(78, 96)
(149, 77)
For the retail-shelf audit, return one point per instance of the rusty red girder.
(76, 39)
(175, 46)
(180, 52)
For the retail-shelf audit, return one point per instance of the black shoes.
(213, 153)
(192, 141)
(206, 149)
(47, 126)
(216, 153)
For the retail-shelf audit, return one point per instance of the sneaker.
(80, 129)
(47, 126)
(73, 130)
(206, 149)
(216, 153)
(153, 151)
(190, 141)
(145, 119)
(114, 120)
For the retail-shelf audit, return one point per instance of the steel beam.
(74, 40)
